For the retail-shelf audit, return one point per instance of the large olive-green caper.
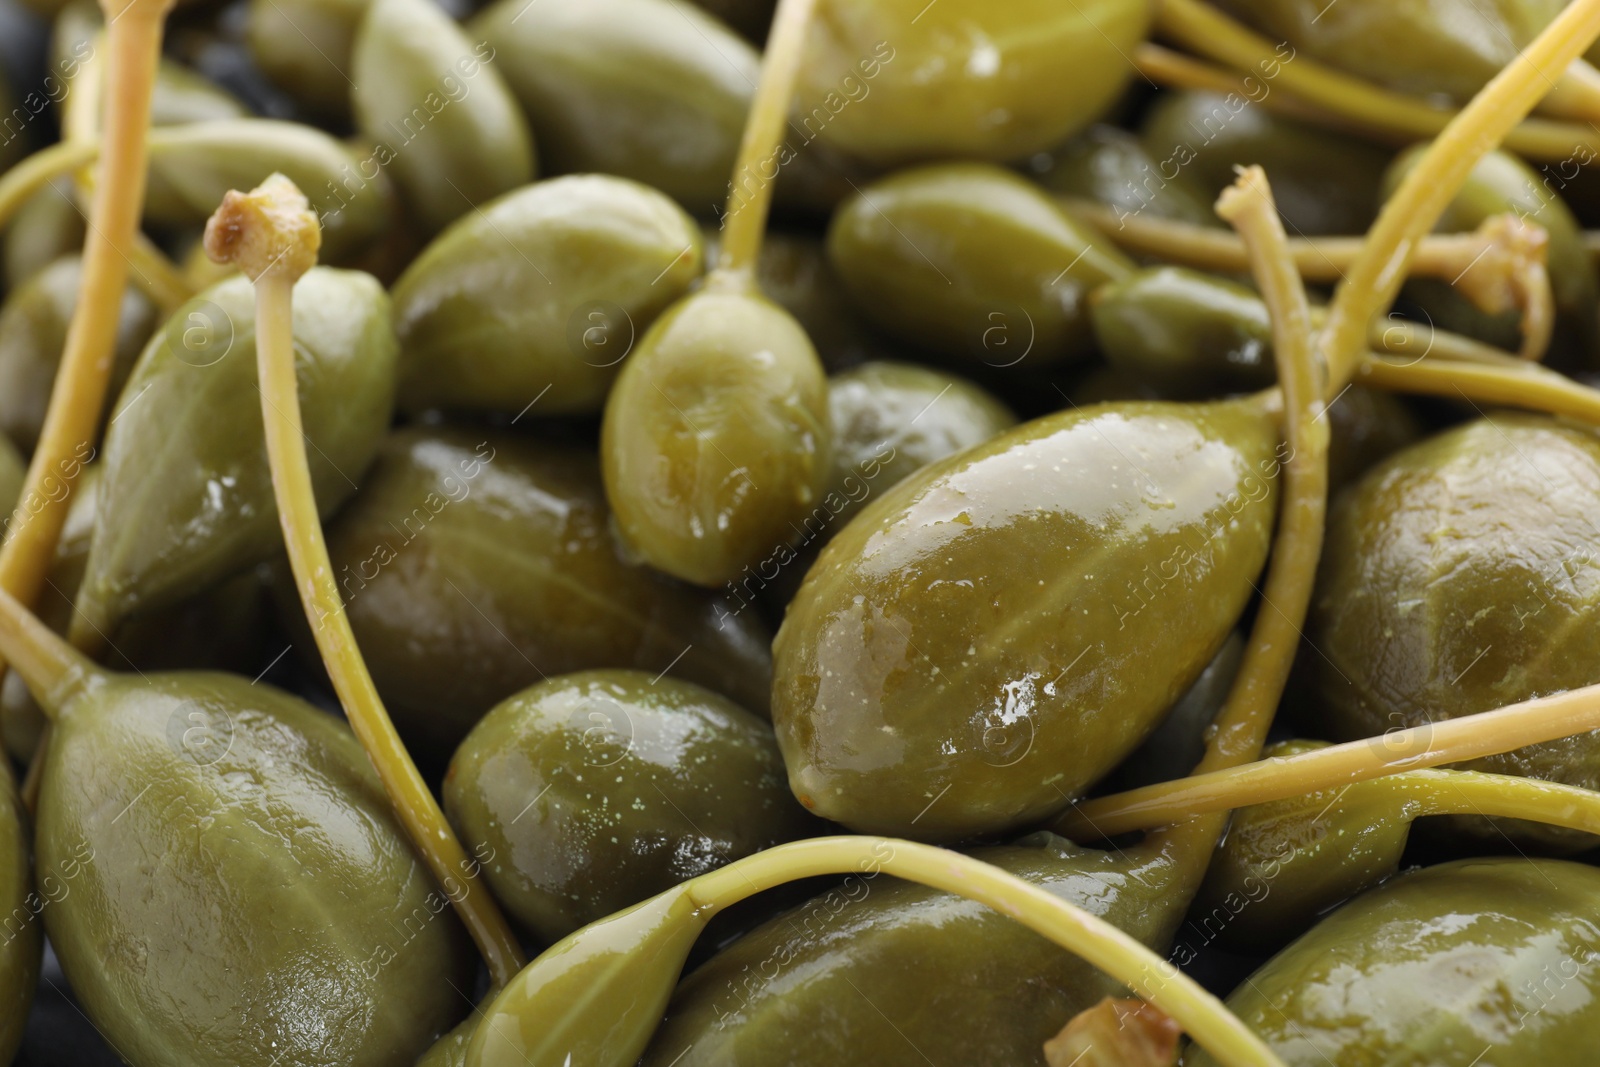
(995, 633)
(1444, 46)
(651, 90)
(304, 46)
(1500, 183)
(897, 81)
(1283, 863)
(424, 92)
(21, 937)
(474, 565)
(883, 972)
(193, 165)
(1174, 748)
(1323, 182)
(1111, 165)
(716, 437)
(33, 333)
(972, 261)
(590, 792)
(237, 890)
(1185, 333)
(538, 297)
(46, 227)
(1456, 578)
(1466, 964)
(892, 419)
(186, 498)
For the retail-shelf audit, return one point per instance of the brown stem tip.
(269, 230)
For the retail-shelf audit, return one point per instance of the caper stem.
(133, 50)
(273, 236)
(52, 669)
(1350, 101)
(1487, 733)
(1202, 1015)
(1460, 792)
(1427, 189)
(1318, 259)
(1546, 391)
(39, 169)
(755, 171)
(1240, 729)
(1179, 70)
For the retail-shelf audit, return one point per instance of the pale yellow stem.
(1202, 1015)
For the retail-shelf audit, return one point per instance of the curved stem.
(1456, 792)
(1470, 737)
(1178, 70)
(76, 400)
(1428, 187)
(756, 169)
(1532, 389)
(1353, 102)
(38, 170)
(1203, 1016)
(257, 231)
(1415, 341)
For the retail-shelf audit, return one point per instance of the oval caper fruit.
(424, 92)
(1111, 165)
(186, 498)
(21, 935)
(536, 298)
(1323, 182)
(716, 437)
(994, 634)
(894, 81)
(475, 564)
(1455, 579)
(304, 47)
(33, 333)
(594, 791)
(1480, 961)
(238, 891)
(974, 262)
(45, 228)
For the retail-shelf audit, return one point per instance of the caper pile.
(846, 532)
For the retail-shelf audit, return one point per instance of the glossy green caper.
(538, 297)
(1183, 332)
(21, 936)
(193, 165)
(1323, 182)
(1451, 47)
(424, 91)
(1111, 165)
(591, 792)
(238, 891)
(1499, 184)
(1175, 747)
(994, 634)
(716, 437)
(46, 227)
(894, 82)
(1284, 863)
(1455, 579)
(186, 498)
(33, 332)
(474, 565)
(892, 419)
(304, 47)
(952, 978)
(972, 261)
(1470, 963)
(650, 90)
